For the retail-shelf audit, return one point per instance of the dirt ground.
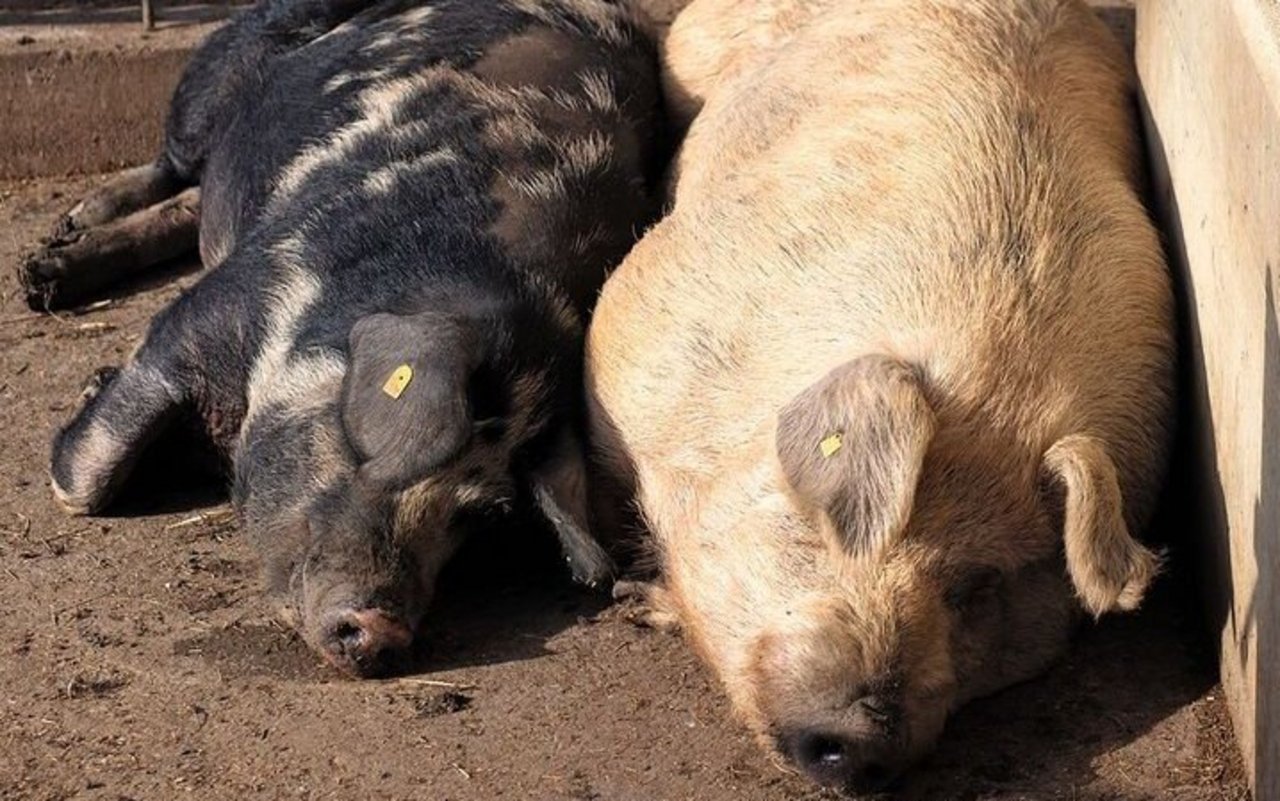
(138, 660)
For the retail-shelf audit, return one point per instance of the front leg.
(122, 411)
(191, 360)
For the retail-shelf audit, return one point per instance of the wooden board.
(1210, 78)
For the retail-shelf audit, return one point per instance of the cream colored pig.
(892, 383)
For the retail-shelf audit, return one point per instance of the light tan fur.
(944, 185)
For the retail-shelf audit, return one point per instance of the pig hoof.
(589, 564)
(1124, 592)
(75, 504)
(101, 378)
(651, 606)
(66, 225)
(654, 619)
(624, 590)
(38, 276)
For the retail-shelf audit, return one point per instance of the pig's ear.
(560, 489)
(1109, 568)
(404, 398)
(851, 448)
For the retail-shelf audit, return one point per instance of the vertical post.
(1210, 82)
(148, 16)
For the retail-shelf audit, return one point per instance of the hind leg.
(126, 192)
(76, 265)
(143, 216)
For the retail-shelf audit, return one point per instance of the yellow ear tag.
(831, 444)
(397, 381)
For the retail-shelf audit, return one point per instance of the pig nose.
(366, 641)
(864, 762)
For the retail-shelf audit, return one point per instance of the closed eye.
(973, 587)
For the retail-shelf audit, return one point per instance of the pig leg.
(652, 606)
(126, 192)
(124, 410)
(147, 215)
(84, 260)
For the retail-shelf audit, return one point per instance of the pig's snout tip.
(837, 761)
(366, 642)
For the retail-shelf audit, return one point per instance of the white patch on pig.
(577, 159)
(292, 381)
(607, 20)
(597, 85)
(416, 17)
(568, 100)
(585, 155)
(378, 106)
(403, 29)
(470, 494)
(383, 41)
(382, 180)
(540, 184)
(340, 80)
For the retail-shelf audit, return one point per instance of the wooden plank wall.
(1210, 85)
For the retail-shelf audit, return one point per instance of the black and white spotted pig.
(409, 208)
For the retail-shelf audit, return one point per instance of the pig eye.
(975, 587)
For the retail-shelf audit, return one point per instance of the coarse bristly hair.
(438, 187)
(892, 382)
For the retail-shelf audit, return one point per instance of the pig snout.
(866, 756)
(361, 613)
(364, 642)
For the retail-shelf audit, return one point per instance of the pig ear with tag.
(404, 398)
(560, 489)
(1109, 568)
(851, 447)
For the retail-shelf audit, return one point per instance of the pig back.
(952, 184)
(417, 105)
